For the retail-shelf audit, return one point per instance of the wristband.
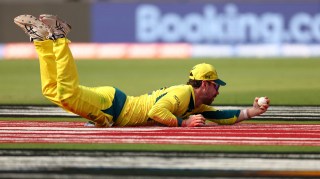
(245, 114)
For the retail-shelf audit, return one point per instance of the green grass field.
(168, 148)
(284, 81)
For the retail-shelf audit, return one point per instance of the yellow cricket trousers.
(60, 83)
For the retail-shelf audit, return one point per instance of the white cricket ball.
(261, 101)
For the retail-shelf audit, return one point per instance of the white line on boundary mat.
(54, 162)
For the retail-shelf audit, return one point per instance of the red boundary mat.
(239, 134)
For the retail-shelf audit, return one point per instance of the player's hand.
(194, 121)
(257, 110)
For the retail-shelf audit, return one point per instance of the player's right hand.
(194, 121)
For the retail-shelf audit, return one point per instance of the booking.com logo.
(230, 26)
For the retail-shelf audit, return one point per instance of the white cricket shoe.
(36, 29)
(59, 27)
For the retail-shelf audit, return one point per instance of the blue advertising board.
(254, 22)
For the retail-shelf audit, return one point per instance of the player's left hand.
(257, 110)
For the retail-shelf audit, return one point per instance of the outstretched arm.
(229, 117)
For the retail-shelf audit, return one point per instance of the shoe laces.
(31, 31)
(59, 27)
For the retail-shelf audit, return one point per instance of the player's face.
(212, 92)
(215, 85)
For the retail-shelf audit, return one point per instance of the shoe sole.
(28, 23)
(53, 21)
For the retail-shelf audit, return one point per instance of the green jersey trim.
(220, 115)
(179, 121)
(117, 104)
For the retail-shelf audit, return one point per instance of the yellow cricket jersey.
(169, 106)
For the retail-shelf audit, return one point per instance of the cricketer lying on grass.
(181, 105)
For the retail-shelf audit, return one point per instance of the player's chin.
(209, 102)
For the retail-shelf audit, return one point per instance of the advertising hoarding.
(254, 22)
